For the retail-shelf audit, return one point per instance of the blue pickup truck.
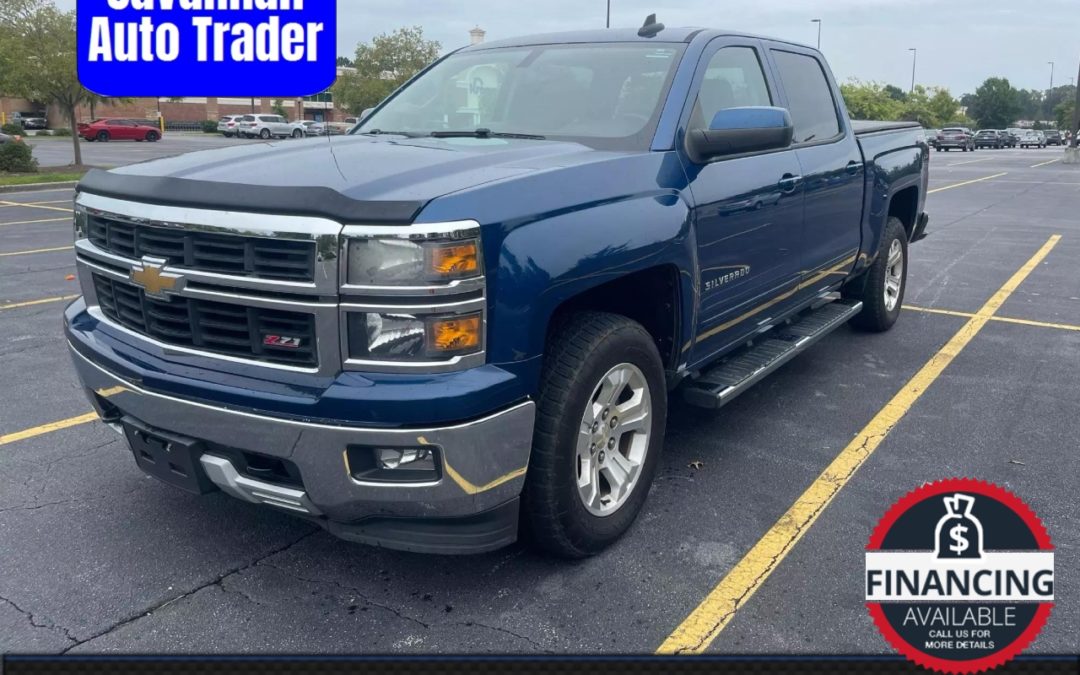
(469, 316)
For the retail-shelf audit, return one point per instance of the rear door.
(748, 208)
(831, 166)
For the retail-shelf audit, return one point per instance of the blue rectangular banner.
(234, 48)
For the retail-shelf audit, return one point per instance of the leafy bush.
(209, 127)
(44, 132)
(17, 158)
(61, 132)
(13, 128)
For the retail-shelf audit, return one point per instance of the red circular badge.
(960, 575)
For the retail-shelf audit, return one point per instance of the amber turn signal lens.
(453, 335)
(453, 261)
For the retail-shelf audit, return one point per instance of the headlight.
(376, 336)
(80, 223)
(403, 262)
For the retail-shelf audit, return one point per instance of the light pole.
(609, 13)
(818, 22)
(914, 60)
(1050, 91)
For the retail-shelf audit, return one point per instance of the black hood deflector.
(321, 202)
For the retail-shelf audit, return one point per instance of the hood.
(351, 178)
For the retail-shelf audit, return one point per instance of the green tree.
(38, 42)
(943, 107)
(1063, 113)
(870, 101)
(895, 93)
(382, 66)
(996, 104)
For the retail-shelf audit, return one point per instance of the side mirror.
(364, 114)
(735, 131)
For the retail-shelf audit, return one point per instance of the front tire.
(882, 288)
(600, 426)
(152, 136)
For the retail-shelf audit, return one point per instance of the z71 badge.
(286, 341)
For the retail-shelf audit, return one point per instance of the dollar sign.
(961, 543)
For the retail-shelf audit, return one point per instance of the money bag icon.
(959, 534)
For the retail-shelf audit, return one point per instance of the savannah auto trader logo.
(960, 576)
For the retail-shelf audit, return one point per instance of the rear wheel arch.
(904, 205)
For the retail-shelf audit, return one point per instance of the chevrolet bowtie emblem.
(157, 283)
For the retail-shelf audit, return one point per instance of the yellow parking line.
(43, 301)
(704, 624)
(37, 250)
(1034, 166)
(967, 182)
(1002, 319)
(47, 428)
(31, 222)
(35, 206)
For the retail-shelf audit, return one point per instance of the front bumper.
(471, 508)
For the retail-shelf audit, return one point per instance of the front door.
(748, 209)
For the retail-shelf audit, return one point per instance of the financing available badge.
(960, 575)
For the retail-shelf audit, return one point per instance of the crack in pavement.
(526, 638)
(178, 598)
(352, 591)
(51, 626)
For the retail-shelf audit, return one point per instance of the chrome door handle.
(789, 183)
(853, 167)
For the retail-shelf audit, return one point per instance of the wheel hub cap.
(613, 439)
(894, 275)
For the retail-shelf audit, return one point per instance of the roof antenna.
(650, 28)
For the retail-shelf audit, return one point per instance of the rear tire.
(599, 367)
(882, 288)
(264, 134)
(103, 136)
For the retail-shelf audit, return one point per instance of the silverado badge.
(155, 281)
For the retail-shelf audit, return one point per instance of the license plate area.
(169, 457)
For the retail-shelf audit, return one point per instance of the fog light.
(417, 459)
(393, 465)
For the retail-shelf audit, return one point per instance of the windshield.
(603, 95)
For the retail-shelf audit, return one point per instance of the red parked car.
(119, 130)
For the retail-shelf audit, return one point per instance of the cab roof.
(668, 35)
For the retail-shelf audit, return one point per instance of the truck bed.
(863, 127)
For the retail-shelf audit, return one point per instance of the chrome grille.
(265, 258)
(214, 327)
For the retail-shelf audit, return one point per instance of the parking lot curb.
(34, 187)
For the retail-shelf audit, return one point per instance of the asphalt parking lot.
(97, 557)
(58, 151)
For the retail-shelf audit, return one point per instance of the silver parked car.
(1033, 139)
(229, 125)
(270, 126)
(313, 128)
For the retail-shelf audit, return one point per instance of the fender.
(886, 175)
(587, 225)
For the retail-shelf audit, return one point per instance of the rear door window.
(810, 99)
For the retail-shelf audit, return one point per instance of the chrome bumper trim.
(484, 459)
(223, 474)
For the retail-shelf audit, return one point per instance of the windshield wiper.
(380, 132)
(483, 133)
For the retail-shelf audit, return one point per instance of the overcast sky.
(960, 42)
